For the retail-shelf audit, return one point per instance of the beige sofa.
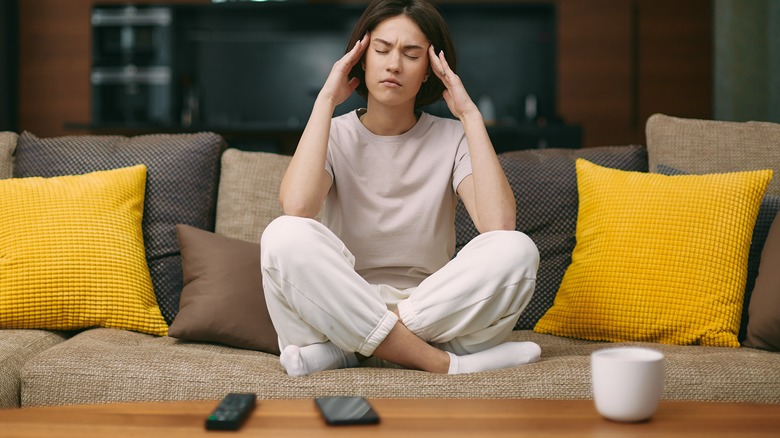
(103, 365)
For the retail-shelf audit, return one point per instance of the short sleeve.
(329, 154)
(462, 165)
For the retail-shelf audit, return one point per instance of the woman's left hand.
(458, 100)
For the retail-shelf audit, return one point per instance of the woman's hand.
(458, 100)
(338, 87)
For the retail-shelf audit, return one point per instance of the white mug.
(627, 382)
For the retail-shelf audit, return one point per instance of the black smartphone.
(346, 410)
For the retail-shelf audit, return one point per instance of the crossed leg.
(324, 312)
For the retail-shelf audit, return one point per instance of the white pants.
(314, 294)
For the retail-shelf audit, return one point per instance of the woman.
(376, 276)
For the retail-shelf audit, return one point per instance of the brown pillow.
(763, 330)
(222, 300)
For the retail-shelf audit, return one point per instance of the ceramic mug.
(627, 382)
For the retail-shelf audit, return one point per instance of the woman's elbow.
(496, 227)
(506, 223)
(298, 207)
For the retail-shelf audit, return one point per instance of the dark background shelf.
(251, 71)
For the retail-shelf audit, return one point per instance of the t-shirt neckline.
(355, 118)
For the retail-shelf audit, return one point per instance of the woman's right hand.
(338, 87)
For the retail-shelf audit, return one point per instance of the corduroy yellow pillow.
(72, 253)
(658, 258)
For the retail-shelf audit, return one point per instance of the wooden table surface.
(399, 418)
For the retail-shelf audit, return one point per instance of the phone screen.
(346, 410)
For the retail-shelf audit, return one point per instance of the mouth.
(390, 82)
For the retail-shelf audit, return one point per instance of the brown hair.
(427, 16)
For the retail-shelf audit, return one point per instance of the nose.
(393, 62)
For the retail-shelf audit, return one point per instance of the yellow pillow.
(72, 253)
(658, 258)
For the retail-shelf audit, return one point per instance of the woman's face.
(396, 61)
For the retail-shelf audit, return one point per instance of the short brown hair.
(427, 16)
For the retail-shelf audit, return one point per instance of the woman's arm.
(306, 183)
(486, 192)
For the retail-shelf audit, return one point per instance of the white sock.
(302, 361)
(506, 355)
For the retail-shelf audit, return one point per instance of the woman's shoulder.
(443, 124)
(345, 120)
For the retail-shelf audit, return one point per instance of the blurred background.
(556, 73)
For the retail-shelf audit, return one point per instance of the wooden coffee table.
(399, 418)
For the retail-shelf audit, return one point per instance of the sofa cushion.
(709, 146)
(16, 348)
(249, 193)
(658, 258)
(105, 366)
(770, 206)
(7, 147)
(763, 330)
(181, 187)
(223, 298)
(544, 182)
(72, 253)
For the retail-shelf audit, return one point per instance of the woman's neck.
(386, 121)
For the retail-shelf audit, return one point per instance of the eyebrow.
(406, 47)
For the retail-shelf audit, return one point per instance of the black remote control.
(231, 412)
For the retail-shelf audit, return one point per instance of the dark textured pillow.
(763, 329)
(223, 299)
(770, 205)
(181, 187)
(544, 182)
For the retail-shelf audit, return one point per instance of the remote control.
(231, 412)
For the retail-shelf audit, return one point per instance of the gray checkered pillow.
(545, 185)
(181, 187)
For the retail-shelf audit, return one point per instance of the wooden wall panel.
(594, 62)
(675, 58)
(54, 63)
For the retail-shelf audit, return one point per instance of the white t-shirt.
(393, 198)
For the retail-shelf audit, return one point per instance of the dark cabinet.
(252, 71)
(131, 75)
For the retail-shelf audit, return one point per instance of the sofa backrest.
(7, 147)
(713, 146)
(248, 197)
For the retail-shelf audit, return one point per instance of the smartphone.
(346, 410)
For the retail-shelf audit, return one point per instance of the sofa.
(205, 205)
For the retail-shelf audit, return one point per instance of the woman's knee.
(512, 251)
(287, 235)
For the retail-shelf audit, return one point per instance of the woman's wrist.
(327, 100)
(471, 116)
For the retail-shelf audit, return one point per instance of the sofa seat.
(16, 348)
(107, 365)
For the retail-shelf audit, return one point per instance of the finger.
(432, 59)
(444, 72)
(353, 56)
(353, 83)
(362, 45)
(436, 65)
(445, 66)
